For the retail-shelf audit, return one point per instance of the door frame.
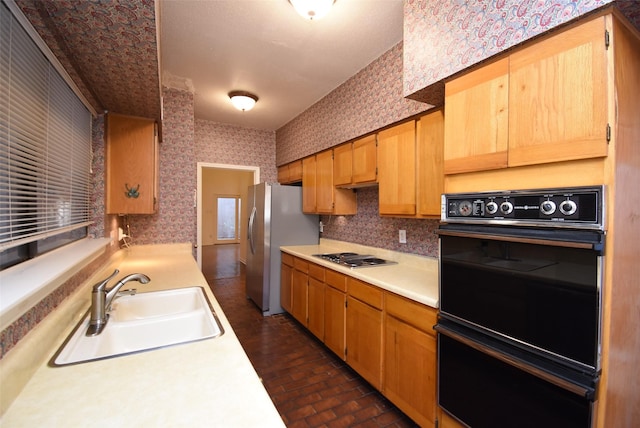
(200, 167)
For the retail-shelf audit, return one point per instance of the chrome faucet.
(101, 299)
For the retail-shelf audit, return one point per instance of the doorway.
(217, 181)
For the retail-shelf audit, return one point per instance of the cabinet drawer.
(413, 313)
(366, 293)
(287, 259)
(335, 280)
(316, 271)
(301, 265)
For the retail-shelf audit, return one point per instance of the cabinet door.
(286, 278)
(365, 164)
(309, 185)
(324, 182)
(397, 170)
(299, 291)
(410, 370)
(342, 164)
(558, 97)
(364, 340)
(283, 174)
(295, 171)
(335, 303)
(315, 321)
(477, 114)
(132, 162)
(430, 155)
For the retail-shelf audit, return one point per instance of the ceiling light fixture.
(312, 9)
(243, 100)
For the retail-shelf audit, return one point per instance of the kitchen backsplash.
(368, 228)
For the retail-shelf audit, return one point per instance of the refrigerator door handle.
(252, 219)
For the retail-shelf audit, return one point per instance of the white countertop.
(414, 277)
(207, 383)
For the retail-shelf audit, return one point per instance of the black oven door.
(485, 387)
(534, 291)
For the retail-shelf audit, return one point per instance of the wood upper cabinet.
(355, 164)
(343, 164)
(324, 182)
(309, 185)
(430, 163)
(365, 160)
(410, 358)
(397, 170)
(547, 102)
(319, 194)
(286, 281)
(364, 330)
(290, 173)
(558, 91)
(131, 165)
(477, 119)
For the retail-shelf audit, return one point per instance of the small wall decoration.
(132, 192)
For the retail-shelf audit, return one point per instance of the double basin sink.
(142, 322)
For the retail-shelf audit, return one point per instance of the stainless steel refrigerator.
(275, 219)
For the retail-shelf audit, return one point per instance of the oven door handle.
(579, 390)
(520, 239)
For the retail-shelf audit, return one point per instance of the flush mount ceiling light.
(312, 9)
(243, 100)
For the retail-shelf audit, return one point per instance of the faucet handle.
(100, 286)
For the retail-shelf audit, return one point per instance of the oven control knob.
(568, 207)
(506, 207)
(491, 207)
(548, 207)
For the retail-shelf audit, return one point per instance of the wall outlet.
(402, 236)
(321, 227)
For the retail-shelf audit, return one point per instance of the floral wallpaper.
(234, 145)
(368, 228)
(442, 37)
(369, 100)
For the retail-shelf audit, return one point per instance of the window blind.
(45, 143)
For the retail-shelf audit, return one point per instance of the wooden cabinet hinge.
(607, 40)
(608, 133)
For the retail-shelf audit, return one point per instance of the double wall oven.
(519, 331)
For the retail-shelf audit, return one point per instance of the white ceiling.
(263, 46)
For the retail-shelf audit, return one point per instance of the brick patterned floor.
(310, 386)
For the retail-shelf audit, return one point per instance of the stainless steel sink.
(143, 322)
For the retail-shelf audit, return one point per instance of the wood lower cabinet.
(364, 330)
(335, 311)
(299, 290)
(315, 301)
(410, 358)
(387, 339)
(286, 282)
(131, 165)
